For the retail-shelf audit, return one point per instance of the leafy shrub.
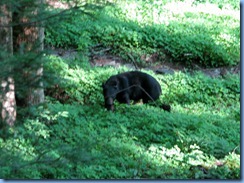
(204, 89)
(67, 34)
(134, 28)
(73, 141)
(80, 139)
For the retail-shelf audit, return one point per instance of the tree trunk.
(35, 94)
(28, 40)
(7, 90)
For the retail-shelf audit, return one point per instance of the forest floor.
(152, 62)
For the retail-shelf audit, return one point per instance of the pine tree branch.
(41, 20)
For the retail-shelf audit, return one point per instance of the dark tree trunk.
(28, 40)
(7, 90)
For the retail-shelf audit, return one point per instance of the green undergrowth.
(80, 139)
(203, 33)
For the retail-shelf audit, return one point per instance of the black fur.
(134, 85)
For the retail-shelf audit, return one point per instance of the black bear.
(133, 85)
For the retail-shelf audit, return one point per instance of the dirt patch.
(164, 67)
(152, 62)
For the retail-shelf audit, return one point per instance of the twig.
(100, 51)
(133, 61)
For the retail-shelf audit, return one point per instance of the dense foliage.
(78, 138)
(198, 32)
(72, 135)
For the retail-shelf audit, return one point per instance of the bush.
(73, 141)
(80, 139)
(72, 135)
(207, 38)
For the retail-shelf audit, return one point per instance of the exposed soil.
(152, 62)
